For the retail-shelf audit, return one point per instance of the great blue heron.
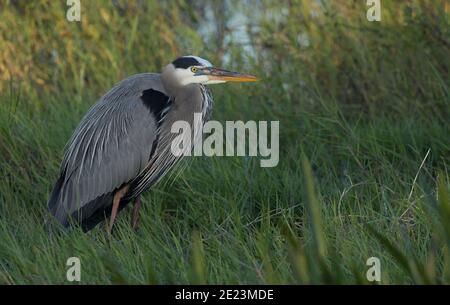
(123, 144)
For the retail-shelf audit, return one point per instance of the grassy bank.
(364, 146)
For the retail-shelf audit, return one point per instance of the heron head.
(195, 70)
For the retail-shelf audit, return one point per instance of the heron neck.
(172, 85)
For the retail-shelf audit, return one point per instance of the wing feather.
(110, 147)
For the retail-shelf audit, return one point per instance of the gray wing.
(109, 148)
(191, 100)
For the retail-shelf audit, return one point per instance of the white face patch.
(185, 76)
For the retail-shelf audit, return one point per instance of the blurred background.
(365, 103)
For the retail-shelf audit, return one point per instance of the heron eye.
(194, 69)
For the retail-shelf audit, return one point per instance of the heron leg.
(136, 209)
(115, 207)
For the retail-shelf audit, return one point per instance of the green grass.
(364, 151)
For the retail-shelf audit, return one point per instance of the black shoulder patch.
(157, 102)
(185, 62)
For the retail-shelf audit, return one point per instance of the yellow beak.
(229, 76)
